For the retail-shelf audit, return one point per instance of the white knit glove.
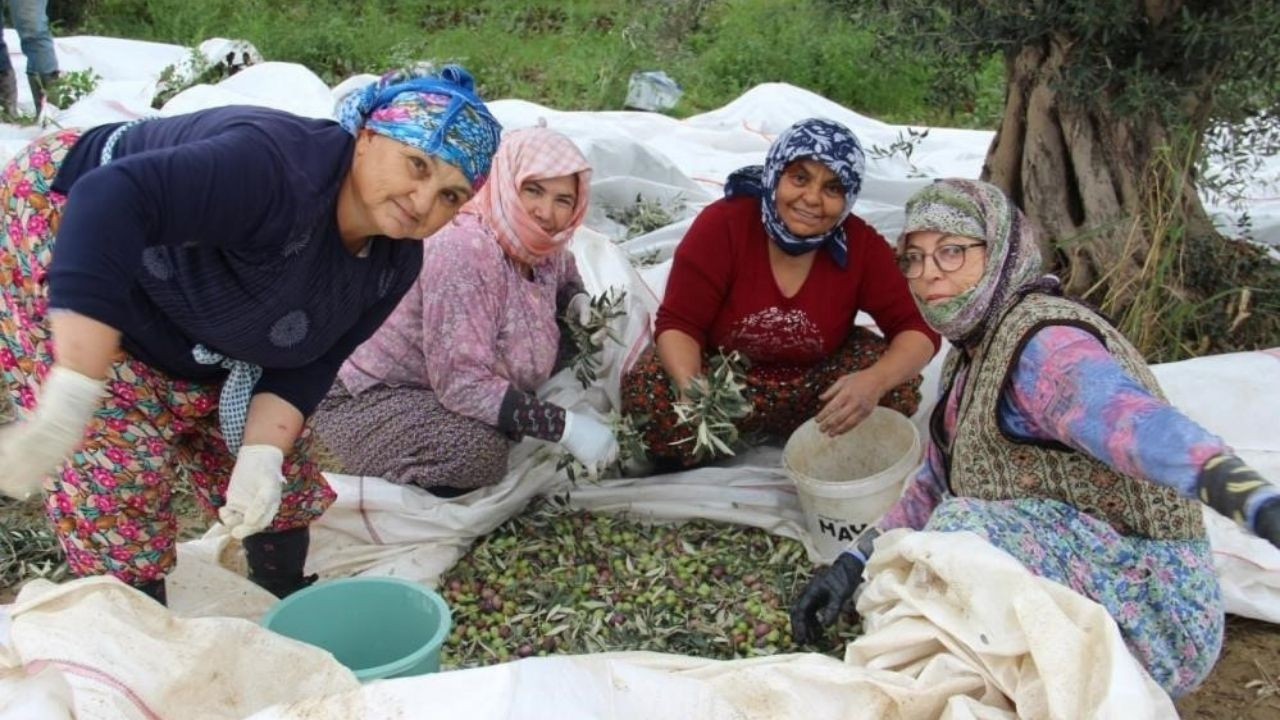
(589, 440)
(579, 308)
(31, 449)
(253, 494)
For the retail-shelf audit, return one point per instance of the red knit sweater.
(722, 291)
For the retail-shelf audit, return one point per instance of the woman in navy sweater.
(210, 274)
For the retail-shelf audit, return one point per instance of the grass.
(1193, 294)
(576, 56)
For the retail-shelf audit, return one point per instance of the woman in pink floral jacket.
(435, 398)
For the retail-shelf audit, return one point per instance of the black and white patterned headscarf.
(825, 141)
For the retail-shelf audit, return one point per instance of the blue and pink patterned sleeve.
(924, 491)
(1067, 387)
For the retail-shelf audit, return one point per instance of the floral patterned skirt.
(1163, 594)
(781, 400)
(111, 502)
(420, 442)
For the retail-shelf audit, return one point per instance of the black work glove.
(824, 597)
(1266, 523)
(1227, 485)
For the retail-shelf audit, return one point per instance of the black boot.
(276, 560)
(155, 589)
(8, 94)
(41, 84)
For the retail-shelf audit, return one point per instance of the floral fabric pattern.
(111, 503)
(470, 327)
(1163, 594)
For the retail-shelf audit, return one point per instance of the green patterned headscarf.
(979, 210)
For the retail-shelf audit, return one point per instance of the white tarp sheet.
(954, 629)
(379, 528)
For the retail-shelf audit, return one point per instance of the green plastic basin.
(378, 627)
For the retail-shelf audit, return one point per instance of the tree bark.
(1084, 174)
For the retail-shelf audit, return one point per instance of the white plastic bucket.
(847, 482)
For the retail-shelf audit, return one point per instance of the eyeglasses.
(948, 258)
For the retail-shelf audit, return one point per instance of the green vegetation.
(72, 86)
(568, 55)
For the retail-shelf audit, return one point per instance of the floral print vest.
(983, 462)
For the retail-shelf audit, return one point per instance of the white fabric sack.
(126, 657)
(954, 629)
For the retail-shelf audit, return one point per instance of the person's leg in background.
(8, 81)
(30, 19)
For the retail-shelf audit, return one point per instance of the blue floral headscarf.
(825, 141)
(437, 112)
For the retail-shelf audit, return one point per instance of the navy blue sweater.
(220, 228)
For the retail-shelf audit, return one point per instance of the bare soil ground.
(1245, 684)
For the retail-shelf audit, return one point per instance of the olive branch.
(712, 403)
(589, 339)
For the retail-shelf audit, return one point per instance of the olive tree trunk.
(1083, 173)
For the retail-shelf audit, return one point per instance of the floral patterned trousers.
(781, 400)
(1163, 594)
(111, 502)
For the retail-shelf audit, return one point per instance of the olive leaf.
(712, 403)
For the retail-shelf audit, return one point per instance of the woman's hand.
(33, 448)
(681, 357)
(72, 392)
(824, 597)
(590, 441)
(848, 401)
(579, 308)
(254, 491)
(257, 479)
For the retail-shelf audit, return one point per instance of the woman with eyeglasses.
(778, 270)
(1052, 440)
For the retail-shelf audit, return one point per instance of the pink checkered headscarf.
(529, 154)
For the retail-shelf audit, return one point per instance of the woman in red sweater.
(777, 270)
